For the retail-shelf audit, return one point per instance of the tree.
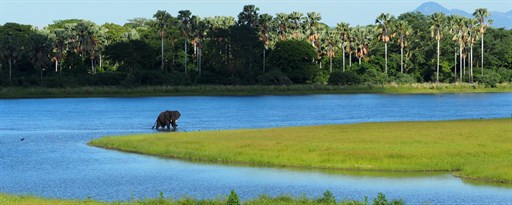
(162, 17)
(472, 30)
(344, 32)
(184, 17)
(437, 21)
(295, 59)
(39, 51)
(460, 36)
(13, 43)
(312, 28)
(249, 16)
(132, 55)
(362, 38)
(295, 22)
(384, 22)
(282, 22)
(90, 37)
(265, 21)
(481, 14)
(403, 30)
(331, 42)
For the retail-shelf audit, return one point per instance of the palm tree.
(460, 37)
(312, 27)
(89, 39)
(331, 42)
(384, 22)
(472, 30)
(295, 19)
(249, 16)
(39, 51)
(437, 21)
(265, 28)
(282, 21)
(454, 29)
(362, 38)
(10, 50)
(184, 17)
(403, 30)
(198, 29)
(162, 17)
(481, 14)
(60, 38)
(344, 32)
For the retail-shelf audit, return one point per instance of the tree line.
(288, 48)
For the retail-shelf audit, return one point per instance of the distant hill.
(500, 19)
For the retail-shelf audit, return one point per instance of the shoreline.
(246, 90)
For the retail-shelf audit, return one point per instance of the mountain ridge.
(500, 19)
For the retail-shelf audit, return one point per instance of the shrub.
(274, 78)
(327, 198)
(232, 81)
(344, 78)
(489, 79)
(403, 78)
(233, 198)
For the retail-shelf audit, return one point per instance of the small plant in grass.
(381, 200)
(328, 198)
(233, 198)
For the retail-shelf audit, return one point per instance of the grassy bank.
(327, 198)
(206, 90)
(473, 149)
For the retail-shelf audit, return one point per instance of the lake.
(53, 159)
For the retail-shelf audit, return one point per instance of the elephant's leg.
(174, 125)
(168, 124)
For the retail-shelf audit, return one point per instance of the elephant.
(167, 118)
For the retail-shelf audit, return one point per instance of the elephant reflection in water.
(167, 118)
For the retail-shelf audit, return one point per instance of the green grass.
(472, 149)
(219, 90)
(9, 199)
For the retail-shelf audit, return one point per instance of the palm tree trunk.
(330, 64)
(162, 49)
(56, 65)
(482, 66)
(100, 60)
(460, 62)
(471, 65)
(350, 59)
(455, 62)
(359, 62)
(386, 56)
(186, 55)
(92, 66)
(343, 59)
(264, 59)
(401, 60)
(437, 73)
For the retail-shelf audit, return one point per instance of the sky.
(356, 12)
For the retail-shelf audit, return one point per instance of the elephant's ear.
(177, 115)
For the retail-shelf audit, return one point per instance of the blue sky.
(42, 12)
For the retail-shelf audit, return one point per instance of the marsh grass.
(475, 149)
(220, 90)
(9, 199)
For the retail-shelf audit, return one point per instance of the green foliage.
(274, 78)
(490, 78)
(403, 78)
(295, 59)
(327, 198)
(132, 55)
(344, 78)
(381, 200)
(233, 198)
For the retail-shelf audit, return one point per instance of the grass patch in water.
(473, 149)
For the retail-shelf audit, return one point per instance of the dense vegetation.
(327, 198)
(474, 149)
(255, 49)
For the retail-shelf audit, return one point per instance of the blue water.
(53, 160)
